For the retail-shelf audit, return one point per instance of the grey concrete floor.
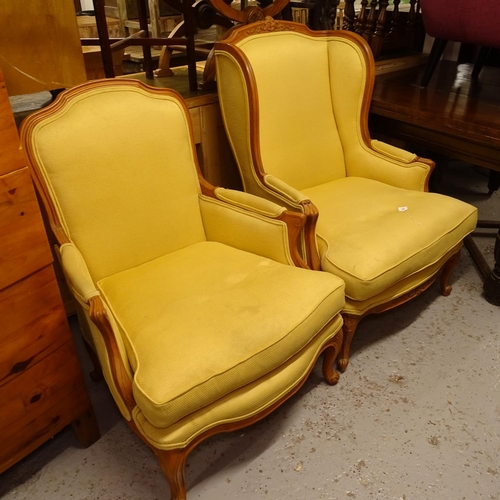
(415, 416)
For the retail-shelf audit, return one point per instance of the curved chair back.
(305, 107)
(106, 149)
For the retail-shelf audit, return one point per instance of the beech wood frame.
(171, 461)
(228, 45)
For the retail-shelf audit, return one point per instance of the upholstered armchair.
(460, 21)
(192, 296)
(295, 106)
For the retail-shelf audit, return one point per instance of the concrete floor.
(415, 416)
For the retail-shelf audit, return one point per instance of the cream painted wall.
(87, 4)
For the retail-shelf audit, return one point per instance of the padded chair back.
(463, 21)
(305, 91)
(129, 158)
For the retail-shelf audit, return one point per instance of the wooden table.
(453, 116)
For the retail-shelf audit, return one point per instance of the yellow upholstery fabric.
(311, 142)
(360, 307)
(244, 402)
(124, 160)
(249, 202)
(246, 230)
(208, 319)
(300, 102)
(375, 234)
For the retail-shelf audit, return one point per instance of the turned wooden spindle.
(410, 27)
(361, 19)
(349, 15)
(378, 36)
(395, 20)
(371, 20)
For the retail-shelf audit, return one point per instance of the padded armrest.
(77, 273)
(290, 193)
(259, 226)
(388, 164)
(393, 152)
(250, 202)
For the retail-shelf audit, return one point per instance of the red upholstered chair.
(460, 21)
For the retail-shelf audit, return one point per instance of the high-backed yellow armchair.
(295, 106)
(188, 293)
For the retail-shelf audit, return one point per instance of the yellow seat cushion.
(208, 319)
(373, 235)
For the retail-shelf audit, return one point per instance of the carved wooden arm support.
(83, 287)
(118, 371)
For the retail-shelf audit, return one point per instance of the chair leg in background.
(436, 53)
(481, 59)
(493, 182)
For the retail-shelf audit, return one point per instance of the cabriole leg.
(172, 464)
(446, 273)
(329, 357)
(350, 324)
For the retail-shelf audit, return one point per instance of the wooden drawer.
(19, 440)
(36, 390)
(32, 323)
(23, 245)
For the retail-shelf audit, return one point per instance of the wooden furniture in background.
(39, 46)
(109, 45)
(454, 116)
(387, 28)
(159, 16)
(459, 21)
(41, 384)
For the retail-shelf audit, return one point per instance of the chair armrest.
(393, 152)
(253, 224)
(391, 165)
(291, 194)
(77, 273)
(299, 202)
(249, 202)
(112, 359)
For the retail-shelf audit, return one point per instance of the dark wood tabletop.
(454, 115)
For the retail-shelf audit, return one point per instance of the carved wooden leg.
(329, 357)
(350, 324)
(172, 464)
(446, 273)
(85, 427)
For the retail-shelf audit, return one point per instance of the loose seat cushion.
(372, 235)
(208, 319)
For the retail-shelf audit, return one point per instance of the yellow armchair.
(295, 106)
(188, 293)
